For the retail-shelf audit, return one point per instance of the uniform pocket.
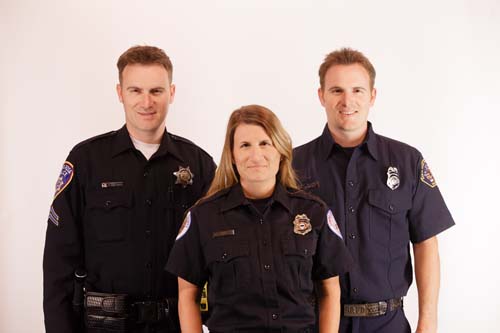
(388, 217)
(108, 215)
(229, 264)
(299, 252)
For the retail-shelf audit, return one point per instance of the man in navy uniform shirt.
(119, 203)
(383, 196)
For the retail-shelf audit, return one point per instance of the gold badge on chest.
(301, 224)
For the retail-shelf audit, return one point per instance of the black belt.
(269, 330)
(116, 312)
(372, 309)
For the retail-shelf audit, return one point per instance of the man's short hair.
(144, 55)
(346, 56)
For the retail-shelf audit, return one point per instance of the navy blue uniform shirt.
(116, 214)
(260, 272)
(378, 223)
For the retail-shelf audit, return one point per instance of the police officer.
(259, 242)
(383, 195)
(119, 202)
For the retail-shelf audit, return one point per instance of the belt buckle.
(382, 308)
(147, 311)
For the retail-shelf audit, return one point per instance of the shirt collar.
(123, 142)
(327, 142)
(236, 198)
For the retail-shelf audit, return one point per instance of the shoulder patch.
(65, 178)
(426, 176)
(332, 224)
(184, 227)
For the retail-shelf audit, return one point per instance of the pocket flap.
(224, 251)
(391, 203)
(109, 200)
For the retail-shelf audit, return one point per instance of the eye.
(156, 92)
(134, 90)
(336, 91)
(358, 90)
(244, 145)
(265, 143)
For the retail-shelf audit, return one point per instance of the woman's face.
(256, 159)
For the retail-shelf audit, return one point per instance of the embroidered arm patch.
(332, 224)
(426, 176)
(64, 178)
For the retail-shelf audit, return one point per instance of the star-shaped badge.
(184, 176)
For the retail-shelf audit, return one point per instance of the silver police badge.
(184, 176)
(301, 225)
(392, 178)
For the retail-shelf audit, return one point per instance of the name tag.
(112, 184)
(223, 233)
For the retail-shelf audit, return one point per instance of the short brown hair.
(144, 55)
(226, 174)
(346, 56)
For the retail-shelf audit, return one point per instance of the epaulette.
(189, 142)
(306, 195)
(213, 197)
(94, 138)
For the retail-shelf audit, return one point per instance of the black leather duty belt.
(372, 309)
(116, 312)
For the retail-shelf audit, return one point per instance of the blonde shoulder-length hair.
(226, 174)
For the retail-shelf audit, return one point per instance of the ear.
(119, 92)
(374, 95)
(172, 93)
(321, 96)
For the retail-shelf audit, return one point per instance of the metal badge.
(301, 224)
(392, 178)
(184, 176)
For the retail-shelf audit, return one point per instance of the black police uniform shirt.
(259, 270)
(377, 222)
(116, 215)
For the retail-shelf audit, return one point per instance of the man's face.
(146, 93)
(347, 98)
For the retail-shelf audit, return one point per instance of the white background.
(438, 90)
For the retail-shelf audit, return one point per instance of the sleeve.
(332, 257)
(208, 167)
(186, 259)
(63, 252)
(429, 215)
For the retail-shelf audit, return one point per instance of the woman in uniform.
(267, 250)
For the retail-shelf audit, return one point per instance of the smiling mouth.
(348, 113)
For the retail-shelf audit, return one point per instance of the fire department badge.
(65, 178)
(184, 176)
(332, 224)
(185, 226)
(301, 225)
(426, 176)
(392, 178)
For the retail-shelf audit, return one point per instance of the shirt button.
(224, 255)
(267, 267)
(148, 202)
(391, 207)
(107, 203)
(146, 173)
(355, 290)
(351, 209)
(350, 183)
(275, 316)
(261, 221)
(148, 265)
(352, 236)
(264, 243)
(148, 233)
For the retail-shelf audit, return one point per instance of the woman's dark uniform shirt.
(116, 215)
(378, 223)
(260, 272)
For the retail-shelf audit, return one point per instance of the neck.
(348, 139)
(258, 190)
(146, 136)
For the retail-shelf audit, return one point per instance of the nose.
(146, 101)
(346, 99)
(256, 153)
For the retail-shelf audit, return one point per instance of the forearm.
(329, 305)
(427, 273)
(189, 309)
